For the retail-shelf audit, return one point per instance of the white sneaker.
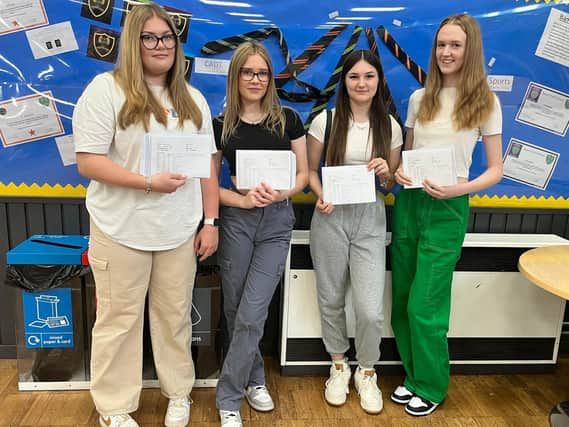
(419, 406)
(401, 395)
(230, 418)
(259, 398)
(337, 385)
(122, 420)
(371, 399)
(178, 413)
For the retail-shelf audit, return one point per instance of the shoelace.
(260, 390)
(178, 407)
(230, 416)
(369, 382)
(335, 375)
(260, 393)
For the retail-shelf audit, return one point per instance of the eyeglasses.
(248, 74)
(150, 41)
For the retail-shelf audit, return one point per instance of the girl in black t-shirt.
(256, 224)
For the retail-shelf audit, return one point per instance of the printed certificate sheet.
(437, 165)
(342, 185)
(16, 15)
(529, 164)
(545, 108)
(274, 167)
(29, 118)
(555, 38)
(189, 155)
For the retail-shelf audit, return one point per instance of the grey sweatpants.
(350, 243)
(252, 255)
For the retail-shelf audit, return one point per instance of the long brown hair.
(379, 120)
(140, 102)
(474, 101)
(270, 104)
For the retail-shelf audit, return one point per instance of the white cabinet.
(500, 321)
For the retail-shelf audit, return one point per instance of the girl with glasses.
(256, 224)
(143, 228)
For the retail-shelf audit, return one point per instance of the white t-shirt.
(154, 221)
(359, 139)
(439, 132)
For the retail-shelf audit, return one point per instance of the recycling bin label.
(48, 320)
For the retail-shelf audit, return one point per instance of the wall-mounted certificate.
(342, 185)
(16, 15)
(437, 165)
(188, 155)
(529, 164)
(273, 167)
(545, 108)
(29, 118)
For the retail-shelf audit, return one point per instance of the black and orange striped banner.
(401, 55)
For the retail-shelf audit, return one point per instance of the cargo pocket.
(101, 273)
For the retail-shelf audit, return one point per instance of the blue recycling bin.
(56, 313)
(51, 328)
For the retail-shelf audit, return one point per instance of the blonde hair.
(140, 103)
(474, 101)
(270, 104)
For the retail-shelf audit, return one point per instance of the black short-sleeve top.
(257, 137)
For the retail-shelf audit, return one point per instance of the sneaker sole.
(336, 404)
(176, 423)
(376, 412)
(421, 414)
(369, 411)
(259, 408)
(400, 401)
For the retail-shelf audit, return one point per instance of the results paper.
(189, 155)
(274, 167)
(437, 165)
(342, 185)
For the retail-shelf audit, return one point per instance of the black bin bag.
(36, 277)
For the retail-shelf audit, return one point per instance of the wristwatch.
(211, 221)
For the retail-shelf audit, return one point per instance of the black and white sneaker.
(418, 406)
(401, 395)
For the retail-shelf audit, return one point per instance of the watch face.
(212, 221)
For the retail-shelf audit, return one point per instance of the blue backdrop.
(511, 32)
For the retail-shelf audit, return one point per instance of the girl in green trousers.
(454, 109)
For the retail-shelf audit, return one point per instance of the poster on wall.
(17, 15)
(29, 118)
(529, 164)
(545, 108)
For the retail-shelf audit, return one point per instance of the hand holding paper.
(273, 167)
(188, 155)
(343, 185)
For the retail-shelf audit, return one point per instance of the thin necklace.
(254, 121)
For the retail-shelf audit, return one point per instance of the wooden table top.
(548, 268)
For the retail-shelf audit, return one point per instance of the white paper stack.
(277, 168)
(437, 165)
(342, 185)
(189, 155)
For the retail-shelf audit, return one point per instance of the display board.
(50, 50)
